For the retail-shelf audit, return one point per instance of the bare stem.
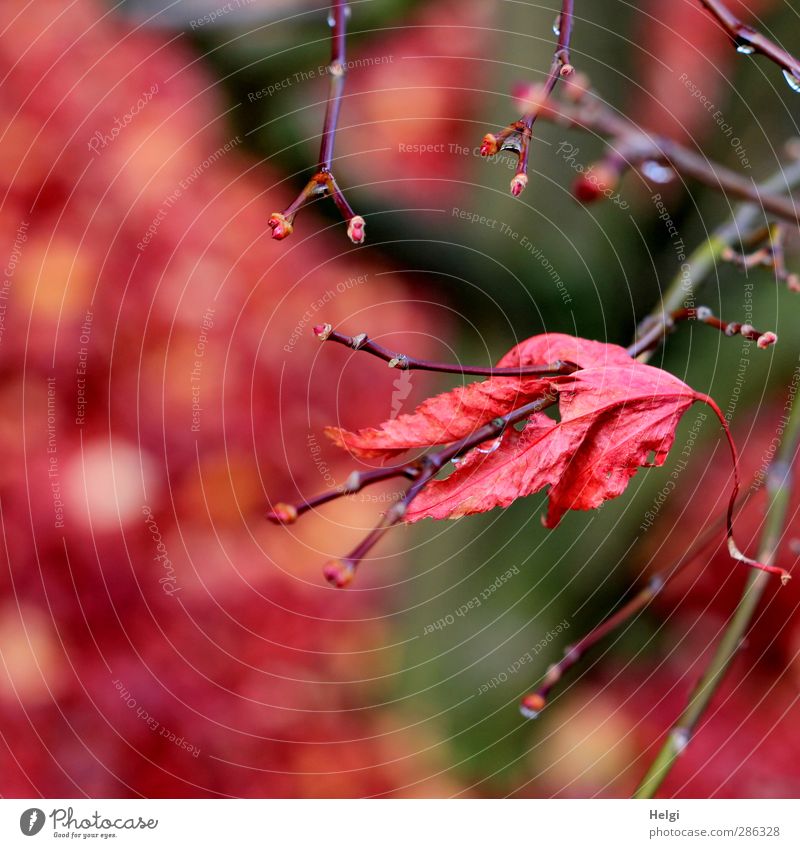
(420, 471)
(408, 363)
(323, 182)
(635, 147)
(653, 330)
(748, 40)
(517, 136)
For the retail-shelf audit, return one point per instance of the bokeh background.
(161, 387)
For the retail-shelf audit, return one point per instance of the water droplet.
(792, 80)
(745, 49)
(492, 447)
(680, 739)
(557, 25)
(657, 172)
(331, 20)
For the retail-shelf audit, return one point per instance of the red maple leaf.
(616, 415)
(455, 414)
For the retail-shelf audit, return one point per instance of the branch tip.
(531, 705)
(355, 229)
(323, 331)
(283, 513)
(518, 184)
(280, 225)
(339, 573)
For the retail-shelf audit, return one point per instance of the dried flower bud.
(323, 331)
(518, 184)
(766, 339)
(355, 229)
(280, 225)
(489, 145)
(566, 70)
(283, 513)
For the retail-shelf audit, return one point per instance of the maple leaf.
(612, 419)
(456, 414)
(616, 415)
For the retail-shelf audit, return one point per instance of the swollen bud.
(489, 145)
(283, 513)
(339, 573)
(323, 331)
(280, 225)
(531, 705)
(766, 339)
(355, 229)
(518, 184)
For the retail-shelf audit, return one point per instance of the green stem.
(779, 490)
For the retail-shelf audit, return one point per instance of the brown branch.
(517, 136)
(408, 363)
(323, 183)
(634, 147)
(748, 40)
(420, 471)
(653, 331)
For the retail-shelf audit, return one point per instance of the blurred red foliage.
(154, 343)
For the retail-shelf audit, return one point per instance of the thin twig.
(420, 471)
(323, 182)
(517, 136)
(409, 363)
(748, 40)
(634, 147)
